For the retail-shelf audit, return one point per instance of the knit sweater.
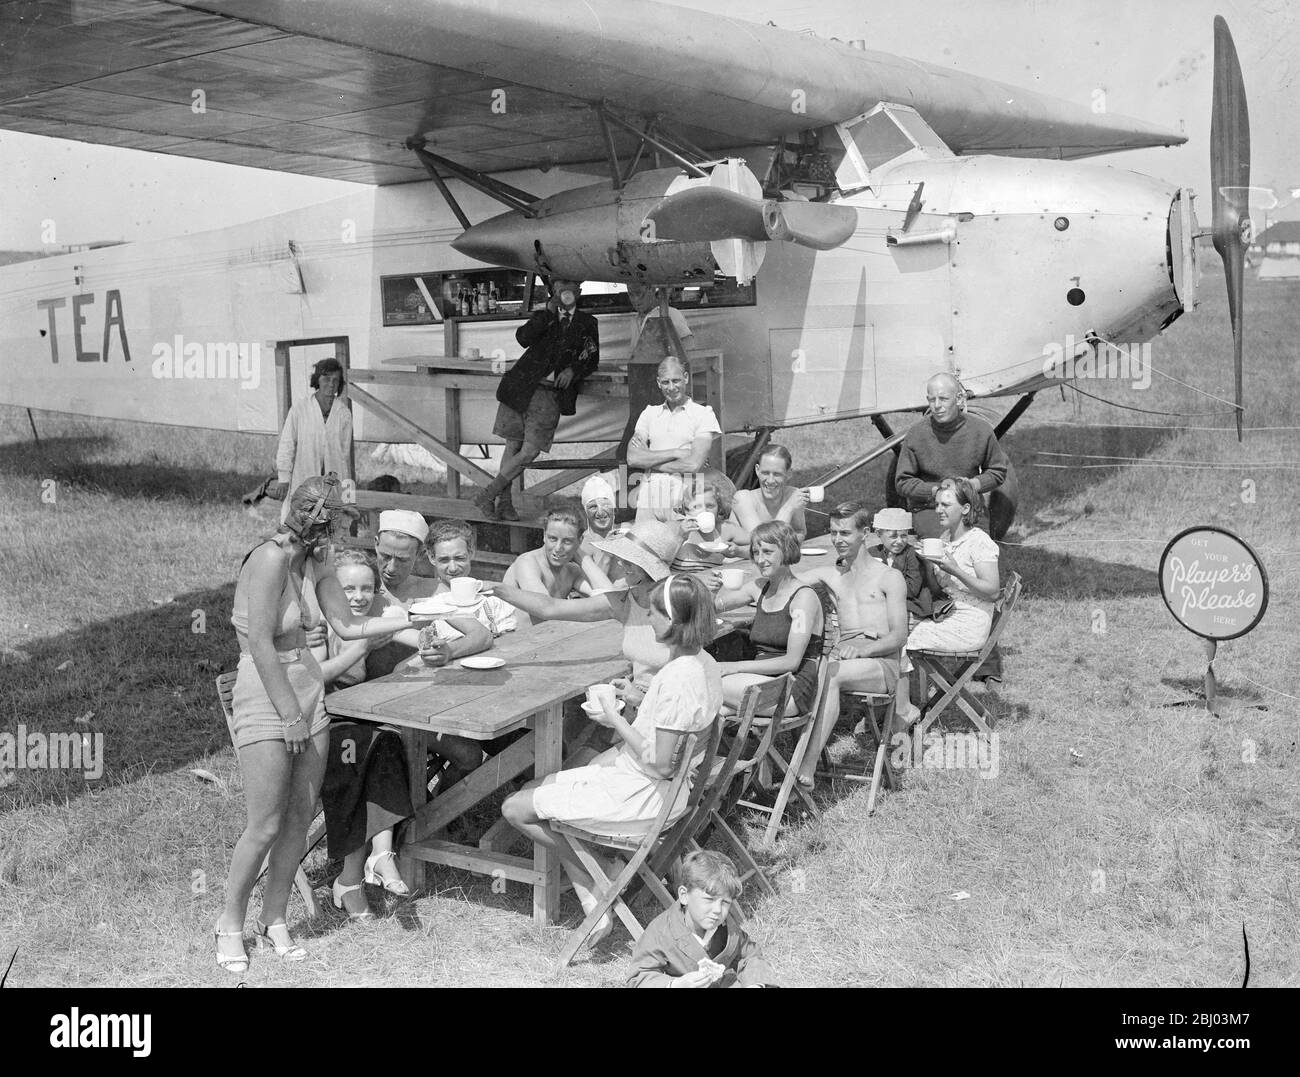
(964, 448)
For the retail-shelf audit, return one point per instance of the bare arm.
(640, 456)
(346, 624)
(474, 637)
(746, 595)
(349, 655)
(985, 581)
(690, 460)
(592, 571)
(543, 607)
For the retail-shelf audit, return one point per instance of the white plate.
(616, 589)
(430, 607)
(713, 547)
(812, 551)
(482, 661)
(586, 706)
(465, 605)
(732, 560)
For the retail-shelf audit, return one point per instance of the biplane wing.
(334, 88)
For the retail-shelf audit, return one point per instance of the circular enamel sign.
(1213, 583)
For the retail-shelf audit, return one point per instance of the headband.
(668, 596)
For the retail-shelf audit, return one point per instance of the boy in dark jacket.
(696, 944)
(925, 597)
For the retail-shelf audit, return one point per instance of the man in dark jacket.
(563, 347)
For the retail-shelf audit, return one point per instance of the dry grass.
(1134, 861)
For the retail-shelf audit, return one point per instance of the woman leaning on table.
(280, 726)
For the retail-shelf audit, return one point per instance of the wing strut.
(509, 196)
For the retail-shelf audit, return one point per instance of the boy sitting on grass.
(695, 945)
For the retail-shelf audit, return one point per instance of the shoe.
(506, 509)
(227, 962)
(393, 886)
(288, 950)
(341, 891)
(486, 505)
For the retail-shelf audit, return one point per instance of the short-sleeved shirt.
(684, 696)
(974, 547)
(663, 429)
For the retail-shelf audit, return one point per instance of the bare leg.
(853, 675)
(286, 854)
(266, 768)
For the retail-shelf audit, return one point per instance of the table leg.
(416, 743)
(549, 748)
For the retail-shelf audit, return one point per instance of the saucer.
(482, 661)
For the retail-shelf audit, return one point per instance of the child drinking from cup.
(709, 536)
(695, 944)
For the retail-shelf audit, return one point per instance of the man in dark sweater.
(952, 444)
(563, 347)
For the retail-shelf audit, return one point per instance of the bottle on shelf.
(493, 301)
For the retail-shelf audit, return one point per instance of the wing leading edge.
(331, 88)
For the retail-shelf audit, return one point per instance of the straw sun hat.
(650, 545)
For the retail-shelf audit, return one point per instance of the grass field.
(1122, 842)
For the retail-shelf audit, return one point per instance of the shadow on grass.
(1052, 574)
(1047, 483)
(65, 459)
(148, 679)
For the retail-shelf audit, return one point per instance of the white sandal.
(287, 950)
(340, 891)
(373, 877)
(230, 962)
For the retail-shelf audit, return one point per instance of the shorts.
(253, 715)
(610, 795)
(536, 428)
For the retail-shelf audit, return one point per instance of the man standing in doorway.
(563, 347)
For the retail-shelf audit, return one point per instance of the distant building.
(1281, 245)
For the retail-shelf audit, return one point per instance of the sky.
(1152, 59)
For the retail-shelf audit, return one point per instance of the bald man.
(950, 443)
(671, 440)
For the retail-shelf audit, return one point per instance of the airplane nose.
(500, 240)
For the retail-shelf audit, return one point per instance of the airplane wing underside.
(333, 88)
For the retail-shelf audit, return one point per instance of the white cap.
(595, 488)
(404, 522)
(892, 520)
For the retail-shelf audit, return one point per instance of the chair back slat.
(226, 694)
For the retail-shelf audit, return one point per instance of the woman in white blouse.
(622, 790)
(968, 571)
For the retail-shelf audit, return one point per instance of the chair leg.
(745, 857)
(875, 779)
(305, 891)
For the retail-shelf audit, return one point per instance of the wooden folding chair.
(733, 779)
(802, 723)
(638, 850)
(225, 693)
(951, 687)
(722, 778)
(881, 713)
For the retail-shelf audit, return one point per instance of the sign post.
(1216, 587)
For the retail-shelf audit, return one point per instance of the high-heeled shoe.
(373, 877)
(230, 962)
(288, 950)
(340, 891)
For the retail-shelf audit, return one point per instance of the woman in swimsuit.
(280, 727)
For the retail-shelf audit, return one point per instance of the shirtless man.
(872, 601)
(558, 568)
